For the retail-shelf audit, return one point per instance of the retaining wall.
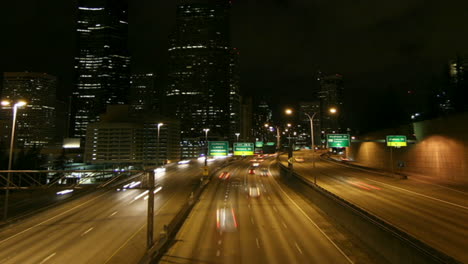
(440, 151)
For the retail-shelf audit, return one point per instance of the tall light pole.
(237, 135)
(278, 136)
(311, 120)
(157, 149)
(206, 130)
(10, 159)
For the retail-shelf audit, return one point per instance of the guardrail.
(390, 242)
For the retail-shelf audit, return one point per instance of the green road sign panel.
(243, 149)
(396, 141)
(270, 143)
(218, 148)
(338, 140)
(259, 144)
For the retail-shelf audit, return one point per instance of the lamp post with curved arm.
(10, 158)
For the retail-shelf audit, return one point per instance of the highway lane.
(432, 213)
(98, 228)
(230, 225)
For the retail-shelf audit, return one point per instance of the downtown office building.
(203, 79)
(35, 122)
(102, 61)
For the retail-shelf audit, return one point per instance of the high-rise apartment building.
(331, 96)
(102, 60)
(143, 93)
(457, 92)
(203, 80)
(35, 122)
(262, 115)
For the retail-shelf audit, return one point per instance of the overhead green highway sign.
(396, 141)
(338, 140)
(218, 148)
(243, 149)
(259, 144)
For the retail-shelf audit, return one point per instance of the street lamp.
(157, 149)
(237, 135)
(311, 120)
(206, 130)
(10, 159)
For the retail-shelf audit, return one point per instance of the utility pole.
(150, 222)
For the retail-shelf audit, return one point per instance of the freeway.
(107, 226)
(254, 218)
(435, 214)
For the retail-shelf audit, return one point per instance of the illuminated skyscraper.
(35, 123)
(143, 93)
(203, 87)
(102, 60)
(331, 95)
(457, 92)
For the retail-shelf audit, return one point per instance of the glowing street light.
(157, 150)
(10, 159)
(206, 130)
(237, 135)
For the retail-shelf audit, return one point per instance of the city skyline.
(382, 51)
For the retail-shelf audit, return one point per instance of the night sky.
(382, 48)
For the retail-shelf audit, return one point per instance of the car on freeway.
(251, 171)
(254, 191)
(299, 159)
(224, 175)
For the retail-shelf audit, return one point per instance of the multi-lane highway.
(253, 218)
(107, 226)
(435, 214)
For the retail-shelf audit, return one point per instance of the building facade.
(263, 115)
(457, 92)
(35, 122)
(119, 138)
(203, 80)
(101, 62)
(143, 93)
(331, 91)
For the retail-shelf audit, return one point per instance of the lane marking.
(438, 185)
(274, 208)
(285, 226)
(268, 197)
(423, 195)
(258, 243)
(219, 242)
(113, 213)
(302, 211)
(134, 234)
(45, 221)
(218, 253)
(252, 221)
(87, 231)
(298, 248)
(46, 259)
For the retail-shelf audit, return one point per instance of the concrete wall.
(440, 151)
